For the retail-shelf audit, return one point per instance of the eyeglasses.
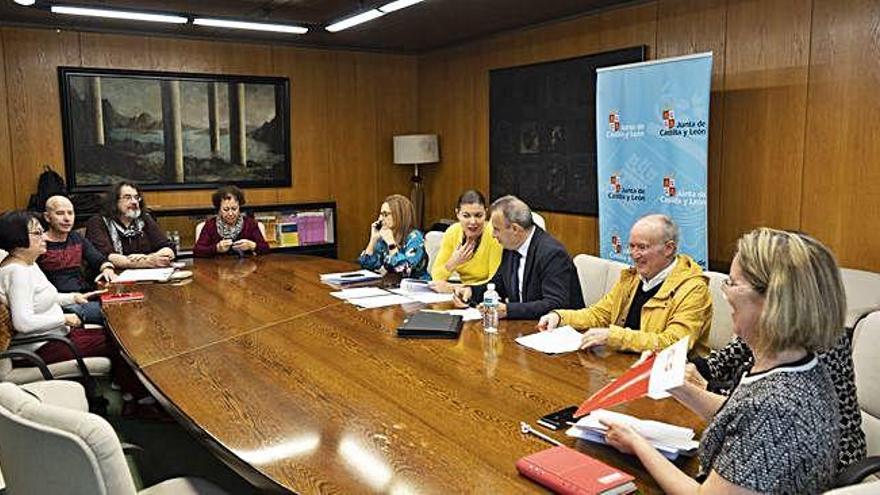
(37, 232)
(727, 283)
(384, 214)
(129, 197)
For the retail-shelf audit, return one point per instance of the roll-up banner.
(652, 123)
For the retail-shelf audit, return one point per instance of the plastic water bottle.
(490, 306)
(175, 239)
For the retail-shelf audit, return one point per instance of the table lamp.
(416, 149)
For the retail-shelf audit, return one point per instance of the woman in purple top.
(230, 231)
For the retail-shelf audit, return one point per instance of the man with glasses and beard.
(655, 303)
(126, 234)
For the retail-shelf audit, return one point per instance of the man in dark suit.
(536, 273)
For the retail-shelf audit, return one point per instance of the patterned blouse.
(724, 367)
(779, 432)
(410, 260)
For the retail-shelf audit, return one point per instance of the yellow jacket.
(477, 270)
(681, 307)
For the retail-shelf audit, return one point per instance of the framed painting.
(174, 130)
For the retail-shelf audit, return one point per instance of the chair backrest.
(433, 240)
(6, 333)
(597, 276)
(200, 226)
(866, 361)
(51, 449)
(862, 292)
(538, 220)
(722, 320)
(262, 230)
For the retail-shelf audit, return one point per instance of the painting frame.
(542, 130)
(87, 157)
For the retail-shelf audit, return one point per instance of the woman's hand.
(622, 437)
(442, 286)
(548, 321)
(461, 296)
(244, 245)
(72, 320)
(461, 255)
(84, 298)
(224, 246)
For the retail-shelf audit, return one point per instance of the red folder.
(124, 297)
(629, 386)
(567, 471)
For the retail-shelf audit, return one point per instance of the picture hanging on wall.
(174, 130)
(542, 135)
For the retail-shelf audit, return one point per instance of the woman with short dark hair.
(35, 305)
(229, 230)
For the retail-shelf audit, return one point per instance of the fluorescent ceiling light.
(254, 26)
(119, 14)
(354, 20)
(397, 5)
(26, 3)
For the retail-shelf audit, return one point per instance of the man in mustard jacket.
(661, 299)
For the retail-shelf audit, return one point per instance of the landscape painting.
(174, 131)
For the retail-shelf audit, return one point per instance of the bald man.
(655, 303)
(69, 256)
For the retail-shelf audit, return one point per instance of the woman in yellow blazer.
(468, 247)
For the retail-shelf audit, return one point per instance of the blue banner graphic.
(652, 131)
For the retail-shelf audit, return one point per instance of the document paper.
(555, 341)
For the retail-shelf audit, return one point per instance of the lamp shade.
(416, 148)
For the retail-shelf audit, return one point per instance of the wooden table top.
(301, 392)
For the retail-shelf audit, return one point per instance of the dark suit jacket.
(549, 282)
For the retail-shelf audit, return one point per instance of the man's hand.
(224, 246)
(107, 275)
(594, 337)
(548, 321)
(461, 296)
(159, 260)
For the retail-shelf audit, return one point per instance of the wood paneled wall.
(345, 106)
(794, 139)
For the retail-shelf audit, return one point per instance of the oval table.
(300, 392)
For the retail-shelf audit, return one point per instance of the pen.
(527, 429)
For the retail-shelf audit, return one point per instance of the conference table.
(300, 392)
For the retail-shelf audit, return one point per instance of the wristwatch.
(392, 247)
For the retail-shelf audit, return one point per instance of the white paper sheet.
(556, 341)
(663, 436)
(145, 275)
(380, 301)
(350, 277)
(358, 293)
(429, 297)
(668, 370)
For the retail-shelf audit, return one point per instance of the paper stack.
(670, 440)
(555, 341)
(348, 278)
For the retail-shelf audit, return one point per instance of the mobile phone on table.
(558, 419)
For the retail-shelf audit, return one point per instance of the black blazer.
(549, 282)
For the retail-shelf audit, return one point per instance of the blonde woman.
(395, 243)
(779, 431)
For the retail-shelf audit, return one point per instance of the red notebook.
(567, 471)
(124, 297)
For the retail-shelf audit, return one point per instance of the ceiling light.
(255, 26)
(397, 5)
(26, 3)
(119, 14)
(354, 20)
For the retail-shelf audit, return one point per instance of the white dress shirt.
(523, 250)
